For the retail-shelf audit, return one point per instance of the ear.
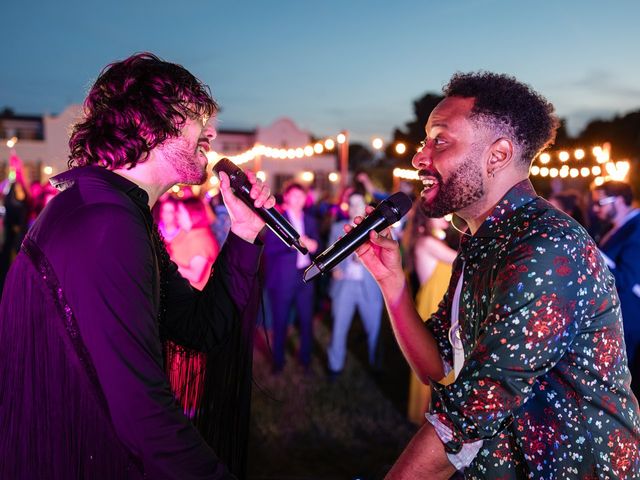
(501, 154)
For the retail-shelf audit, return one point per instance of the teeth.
(428, 182)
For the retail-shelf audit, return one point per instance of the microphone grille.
(225, 165)
(237, 178)
(401, 202)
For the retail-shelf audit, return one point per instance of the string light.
(605, 168)
(406, 174)
(317, 148)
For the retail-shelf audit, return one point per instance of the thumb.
(225, 187)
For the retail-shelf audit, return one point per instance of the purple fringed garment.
(83, 393)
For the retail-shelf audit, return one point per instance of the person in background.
(429, 256)
(570, 203)
(222, 223)
(17, 202)
(612, 203)
(168, 218)
(284, 268)
(194, 250)
(352, 289)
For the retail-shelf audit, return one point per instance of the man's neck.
(150, 176)
(476, 214)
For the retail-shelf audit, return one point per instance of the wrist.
(392, 288)
(245, 233)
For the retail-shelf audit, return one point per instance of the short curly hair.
(135, 105)
(509, 106)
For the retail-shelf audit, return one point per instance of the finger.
(382, 241)
(263, 195)
(270, 202)
(358, 220)
(224, 181)
(386, 233)
(368, 209)
(251, 176)
(348, 228)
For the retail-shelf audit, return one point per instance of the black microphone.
(387, 213)
(276, 222)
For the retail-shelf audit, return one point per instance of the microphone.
(277, 223)
(387, 213)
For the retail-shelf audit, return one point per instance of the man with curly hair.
(92, 296)
(531, 322)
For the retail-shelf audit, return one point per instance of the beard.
(464, 187)
(184, 157)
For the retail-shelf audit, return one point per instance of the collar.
(67, 179)
(495, 225)
(629, 216)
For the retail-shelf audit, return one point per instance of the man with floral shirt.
(531, 321)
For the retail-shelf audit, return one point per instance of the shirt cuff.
(242, 255)
(463, 458)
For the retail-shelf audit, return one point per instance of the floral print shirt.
(545, 383)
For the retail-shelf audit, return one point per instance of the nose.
(210, 131)
(422, 158)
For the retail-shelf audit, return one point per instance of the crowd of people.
(519, 328)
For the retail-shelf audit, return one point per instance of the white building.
(43, 146)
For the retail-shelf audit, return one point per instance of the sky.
(353, 65)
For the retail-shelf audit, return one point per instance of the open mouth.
(203, 143)
(428, 182)
(203, 152)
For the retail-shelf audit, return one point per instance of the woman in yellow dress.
(430, 258)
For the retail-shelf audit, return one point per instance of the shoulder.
(550, 242)
(93, 232)
(634, 224)
(539, 224)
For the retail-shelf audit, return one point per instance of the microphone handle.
(347, 245)
(276, 223)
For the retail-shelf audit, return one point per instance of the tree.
(414, 130)
(622, 132)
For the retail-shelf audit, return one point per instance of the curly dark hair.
(133, 106)
(508, 105)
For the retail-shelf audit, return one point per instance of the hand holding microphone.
(387, 213)
(241, 186)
